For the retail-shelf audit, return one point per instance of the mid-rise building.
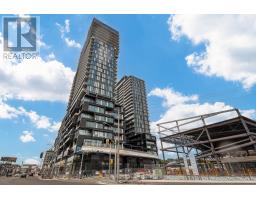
(130, 93)
(47, 161)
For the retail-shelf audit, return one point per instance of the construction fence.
(207, 171)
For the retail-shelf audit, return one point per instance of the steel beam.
(198, 116)
(246, 128)
(228, 149)
(212, 146)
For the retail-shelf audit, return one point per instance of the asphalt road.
(38, 181)
(104, 181)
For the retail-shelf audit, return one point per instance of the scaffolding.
(217, 140)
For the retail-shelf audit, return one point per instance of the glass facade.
(102, 73)
(131, 94)
(101, 134)
(96, 109)
(92, 113)
(94, 125)
(104, 119)
(105, 103)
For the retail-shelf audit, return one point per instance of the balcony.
(67, 152)
(59, 156)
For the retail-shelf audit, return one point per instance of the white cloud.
(176, 97)
(51, 56)
(27, 137)
(72, 43)
(67, 25)
(229, 41)
(7, 111)
(31, 161)
(39, 121)
(41, 43)
(35, 79)
(42, 122)
(55, 126)
(64, 30)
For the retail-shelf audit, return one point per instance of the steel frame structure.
(211, 141)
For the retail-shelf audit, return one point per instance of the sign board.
(186, 164)
(193, 165)
(9, 159)
(157, 174)
(41, 155)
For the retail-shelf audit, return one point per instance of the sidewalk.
(190, 182)
(87, 180)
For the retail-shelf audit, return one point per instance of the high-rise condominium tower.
(92, 114)
(131, 94)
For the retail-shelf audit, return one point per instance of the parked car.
(31, 174)
(23, 175)
(8, 174)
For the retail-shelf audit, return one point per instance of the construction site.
(106, 130)
(219, 144)
(213, 148)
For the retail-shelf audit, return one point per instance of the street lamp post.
(81, 166)
(109, 142)
(118, 146)
(115, 158)
(109, 157)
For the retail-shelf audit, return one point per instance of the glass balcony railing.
(89, 144)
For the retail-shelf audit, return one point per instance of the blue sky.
(152, 47)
